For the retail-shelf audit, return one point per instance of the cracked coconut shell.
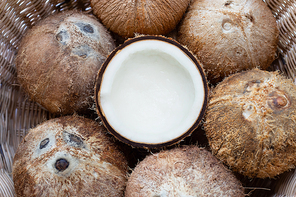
(185, 171)
(69, 156)
(58, 60)
(141, 16)
(228, 36)
(250, 123)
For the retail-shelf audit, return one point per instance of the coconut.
(151, 92)
(58, 60)
(69, 156)
(187, 171)
(145, 17)
(250, 123)
(230, 35)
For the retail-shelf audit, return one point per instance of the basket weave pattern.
(285, 13)
(18, 114)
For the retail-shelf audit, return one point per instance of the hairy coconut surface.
(230, 35)
(250, 123)
(151, 92)
(127, 17)
(69, 156)
(58, 60)
(187, 171)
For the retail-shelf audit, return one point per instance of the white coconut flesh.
(152, 92)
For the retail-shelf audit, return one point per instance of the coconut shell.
(230, 35)
(250, 123)
(69, 156)
(145, 16)
(184, 171)
(102, 95)
(58, 60)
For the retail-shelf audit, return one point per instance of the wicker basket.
(18, 114)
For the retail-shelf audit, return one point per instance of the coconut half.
(151, 92)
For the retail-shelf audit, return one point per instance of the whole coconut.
(58, 60)
(187, 171)
(250, 123)
(228, 36)
(69, 156)
(127, 17)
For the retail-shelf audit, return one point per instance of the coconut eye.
(88, 28)
(227, 3)
(251, 85)
(62, 37)
(44, 143)
(226, 24)
(278, 100)
(73, 140)
(61, 164)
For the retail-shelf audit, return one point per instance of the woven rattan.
(18, 114)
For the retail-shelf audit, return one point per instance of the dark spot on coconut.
(44, 143)
(250, 17)
(277, 100)
(251, 84)
(227, 3)
(86, 28)
(271, 147)
(61, 164)
(62, 37)
(280, 102)
(73, 140)
(82, 51)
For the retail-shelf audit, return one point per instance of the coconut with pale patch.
(58, 60)
(230, 35)
(157, 17)
(187, 171)
(69, 156)
(250, 123)
(151, 92)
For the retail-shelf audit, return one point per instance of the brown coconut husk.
(250, 123)
(69, 156)
(127, 18)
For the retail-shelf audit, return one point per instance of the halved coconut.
(151, 92)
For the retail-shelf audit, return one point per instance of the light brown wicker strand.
(8, 152)
(287, 28)
(15, 18)
(7, 71)
(6, 185)
(62, 5)
(278, 6)
(285, 13)
(286, 185)
(290, 58)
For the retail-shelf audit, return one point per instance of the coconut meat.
(151, 92)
